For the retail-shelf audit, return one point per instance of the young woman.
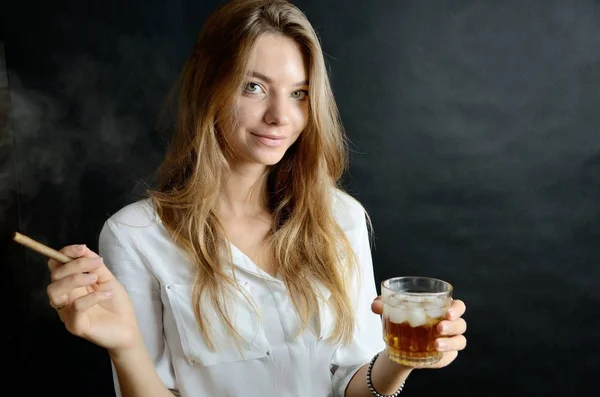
(247, 270)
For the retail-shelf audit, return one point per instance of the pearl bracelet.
(370, 386)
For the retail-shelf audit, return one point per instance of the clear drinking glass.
(412, 308)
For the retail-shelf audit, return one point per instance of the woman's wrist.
(387, 377)
(130, 351)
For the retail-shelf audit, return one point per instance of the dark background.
(475, 148)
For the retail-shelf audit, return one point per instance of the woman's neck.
(244, 193)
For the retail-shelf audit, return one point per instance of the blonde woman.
(246, 271)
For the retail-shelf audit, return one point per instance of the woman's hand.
(90, 301)
(450, 330)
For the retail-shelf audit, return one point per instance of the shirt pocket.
(194, 345)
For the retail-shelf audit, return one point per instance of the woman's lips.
(270, 140)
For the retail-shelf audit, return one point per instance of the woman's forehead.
(278, 60)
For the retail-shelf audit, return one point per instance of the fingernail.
(107, 293)
(91, 277)
(80, 247)
(442, 328)
(441, 345)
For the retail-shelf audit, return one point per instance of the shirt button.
(268, 353)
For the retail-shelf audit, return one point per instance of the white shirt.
(157, 275)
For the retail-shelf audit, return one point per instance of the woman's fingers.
(454, 343)
(80, 325)
(58, 291)
(456, 310)
(377, 305)
(449, 328)
(72, 251)
(85, 302)
(76, 266)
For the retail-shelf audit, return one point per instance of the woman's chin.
(265, 158)
(259, 160)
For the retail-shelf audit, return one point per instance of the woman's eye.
(252, 88)
(300, 94)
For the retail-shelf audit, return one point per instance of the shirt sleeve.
(368, 333)
(144, 291)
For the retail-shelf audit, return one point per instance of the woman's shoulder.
(347, 210)
(135, 225)
(138, 214)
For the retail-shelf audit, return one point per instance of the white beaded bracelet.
(370, 386)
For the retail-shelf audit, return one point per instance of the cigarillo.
(40, 248)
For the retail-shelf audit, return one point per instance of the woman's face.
(272, 109)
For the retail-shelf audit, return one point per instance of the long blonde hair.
(308, 244)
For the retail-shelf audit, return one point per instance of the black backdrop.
(475, 148)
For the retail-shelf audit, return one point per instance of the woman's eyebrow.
(270, 80)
